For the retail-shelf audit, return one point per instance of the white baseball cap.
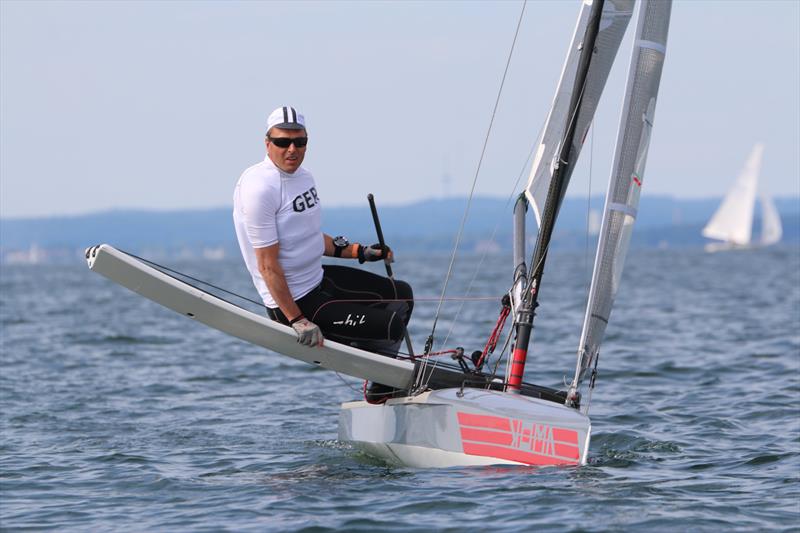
(286, 118)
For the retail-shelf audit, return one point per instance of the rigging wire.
(491, 238)
(180, 274)
(418, 385)
(348, 384)
(165, 269)
(428, 344)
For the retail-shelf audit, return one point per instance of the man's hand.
(308, 333)
(375, 252)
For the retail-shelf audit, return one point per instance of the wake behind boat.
(447, 415)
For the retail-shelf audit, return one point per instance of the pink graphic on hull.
(517, 440)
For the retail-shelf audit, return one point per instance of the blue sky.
(161, 105)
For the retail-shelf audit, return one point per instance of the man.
(278, 225)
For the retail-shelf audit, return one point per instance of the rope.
(474, 181)
(503, 353)
(491, 344)
(347, 384)
(491, 238)
(196, 280)
(441, 352)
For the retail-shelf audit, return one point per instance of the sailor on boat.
(277, 215)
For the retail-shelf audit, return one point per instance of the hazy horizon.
(780, 201)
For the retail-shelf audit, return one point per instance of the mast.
(627, 175)
(598, 34)
(520, 268)
(558, 184)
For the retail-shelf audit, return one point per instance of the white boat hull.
(714, 247)
(451, 427)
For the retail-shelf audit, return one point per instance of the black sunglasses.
(285, 142)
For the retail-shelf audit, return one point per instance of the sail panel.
(613, 23)
(556, 122)
(771, 227)
(627, 176)
(733, 220)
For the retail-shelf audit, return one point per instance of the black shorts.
(357, 307)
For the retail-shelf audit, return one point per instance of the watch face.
(340, 242)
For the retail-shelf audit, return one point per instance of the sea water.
(118, 414)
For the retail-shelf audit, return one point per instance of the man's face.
(287, 159)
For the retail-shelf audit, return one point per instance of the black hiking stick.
(379, 231)
(382, 243)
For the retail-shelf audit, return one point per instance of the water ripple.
(119, 415)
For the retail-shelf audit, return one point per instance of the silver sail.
(614, 21)
(627, 174)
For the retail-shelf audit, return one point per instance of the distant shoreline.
(430, 225)
(385, 203)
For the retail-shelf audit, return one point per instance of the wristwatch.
(339, 244)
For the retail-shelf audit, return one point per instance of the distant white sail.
(627, 176)
(771, 227)
(614, 21)
(733, 220)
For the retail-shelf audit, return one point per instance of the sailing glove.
(308, 333)
(375, 252)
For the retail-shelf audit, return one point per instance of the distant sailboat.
(732, 223)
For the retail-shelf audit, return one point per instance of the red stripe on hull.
(567, 436)
(565, 450)
(509, 454)
(484, 421)
(482, 435)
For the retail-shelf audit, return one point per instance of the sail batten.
(622, 199)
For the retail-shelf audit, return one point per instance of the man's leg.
(371, 289)
(374, 328)
(375, 293)
(355, 317)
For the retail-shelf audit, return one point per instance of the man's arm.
(270, 268)
(357, 251)
(350, 252)
(272, 272)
